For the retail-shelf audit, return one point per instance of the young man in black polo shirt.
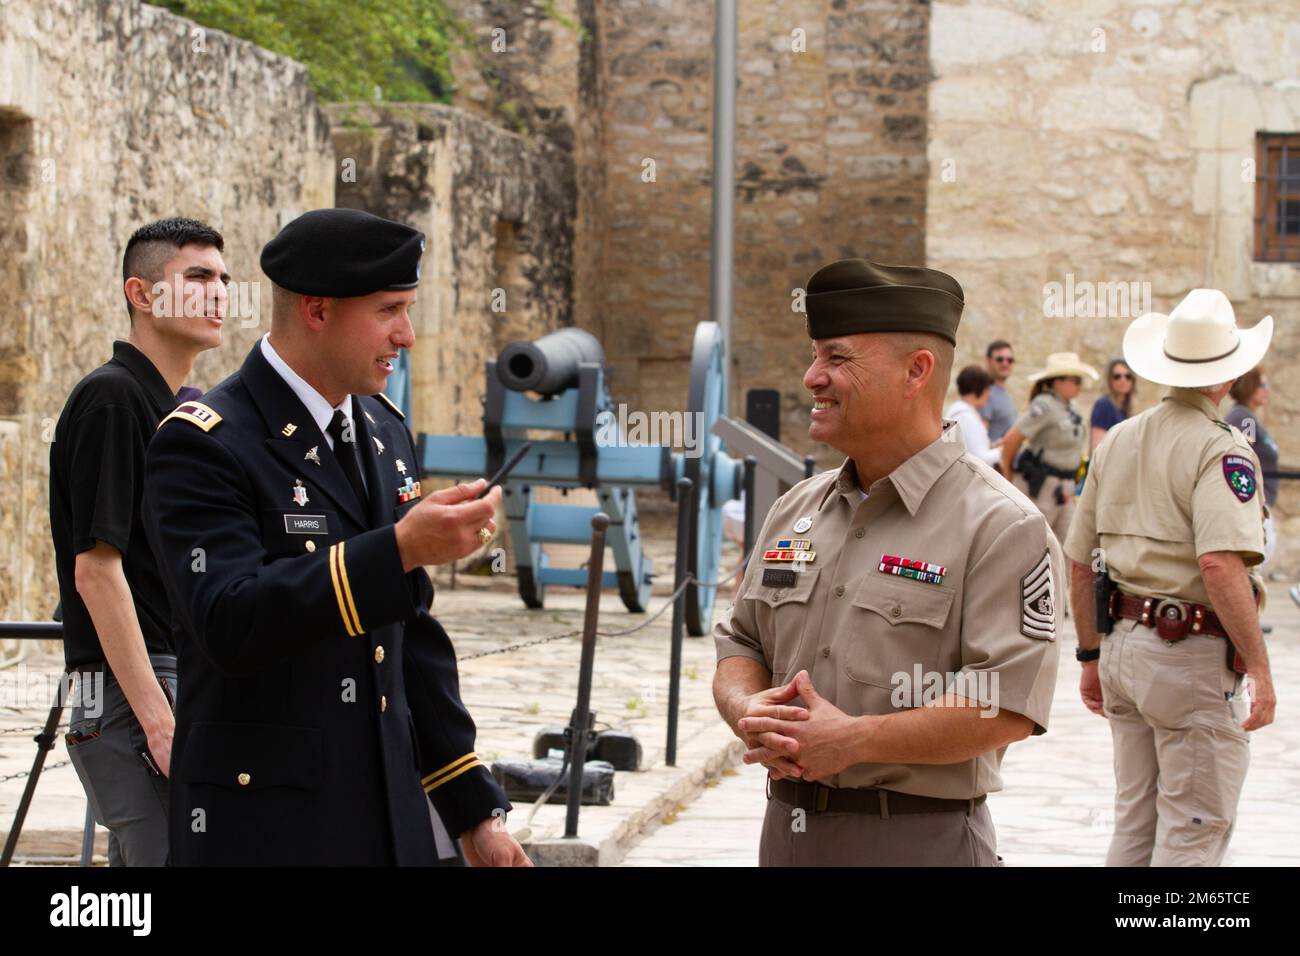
(115, 615)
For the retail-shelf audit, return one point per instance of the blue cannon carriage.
(558, 384)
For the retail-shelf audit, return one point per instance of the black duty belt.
(816, 798)
(1065, 474)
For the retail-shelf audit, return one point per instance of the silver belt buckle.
(1169, 604)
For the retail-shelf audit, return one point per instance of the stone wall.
(1104, 143)
(498, 215)
(830, 152)
(535, 68)
(111, 115)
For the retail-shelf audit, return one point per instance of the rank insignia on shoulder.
(1239, 473)
(911, 568)
(196, 413)
(408, 490)
(389, 402)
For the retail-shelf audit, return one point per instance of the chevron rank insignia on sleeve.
(1038, 602)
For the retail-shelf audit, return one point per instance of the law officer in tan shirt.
(896, 629)
(1055, 438)
(1171, 511)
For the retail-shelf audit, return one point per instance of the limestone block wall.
(497, 212)
(831, 115)
(112, 115)
(830, 148)
(1101, 146)
(535, 68)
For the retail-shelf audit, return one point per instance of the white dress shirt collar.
(318, 407)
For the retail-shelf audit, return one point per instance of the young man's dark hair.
(973, 380)
(116, 619)
(995, 346)
(151, 247)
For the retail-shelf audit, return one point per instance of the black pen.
(505, 469)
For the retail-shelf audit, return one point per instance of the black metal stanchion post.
(809, 466)
(44, 744)
(581, 728)
(751, 471)
(685, 507)
(24, 630)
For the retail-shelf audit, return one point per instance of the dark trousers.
(105, 743)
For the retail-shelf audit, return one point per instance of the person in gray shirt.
(1000, 412)
(1249, 396)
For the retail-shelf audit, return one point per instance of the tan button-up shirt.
(981, 620)
(1164, 488)
(1055, 427)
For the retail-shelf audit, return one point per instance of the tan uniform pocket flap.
(905, 601)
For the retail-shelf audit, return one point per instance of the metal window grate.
(1277, 197)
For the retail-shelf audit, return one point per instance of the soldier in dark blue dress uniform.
(322, 712)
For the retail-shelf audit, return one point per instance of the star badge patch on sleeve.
(1239, 473)
(1038, 602)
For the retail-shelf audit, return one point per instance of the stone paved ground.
(511, 696)
(1055, 809)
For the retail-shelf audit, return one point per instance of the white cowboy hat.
(1197, 344)
(1060, 364)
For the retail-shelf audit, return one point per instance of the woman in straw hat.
(1054, 436)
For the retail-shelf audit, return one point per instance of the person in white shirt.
(973, 385)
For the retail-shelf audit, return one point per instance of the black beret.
(342, 253)
(854, 295)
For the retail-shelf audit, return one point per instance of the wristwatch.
(1083, 656)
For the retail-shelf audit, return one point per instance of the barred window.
(1277, 197)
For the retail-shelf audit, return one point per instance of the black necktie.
(345, 451)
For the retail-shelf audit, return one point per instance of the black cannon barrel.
(549, 365)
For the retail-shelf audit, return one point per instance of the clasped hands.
(812, 742)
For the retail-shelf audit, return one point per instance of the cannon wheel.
(707, 402)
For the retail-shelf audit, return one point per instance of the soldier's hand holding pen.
(445, 526)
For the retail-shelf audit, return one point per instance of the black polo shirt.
(96, 485)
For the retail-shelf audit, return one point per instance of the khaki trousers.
(1175, 715)
(1058, 516)
(949, 838)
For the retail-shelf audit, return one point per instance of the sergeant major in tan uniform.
(1171, 505)
(1056, 436)
(898, 628)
